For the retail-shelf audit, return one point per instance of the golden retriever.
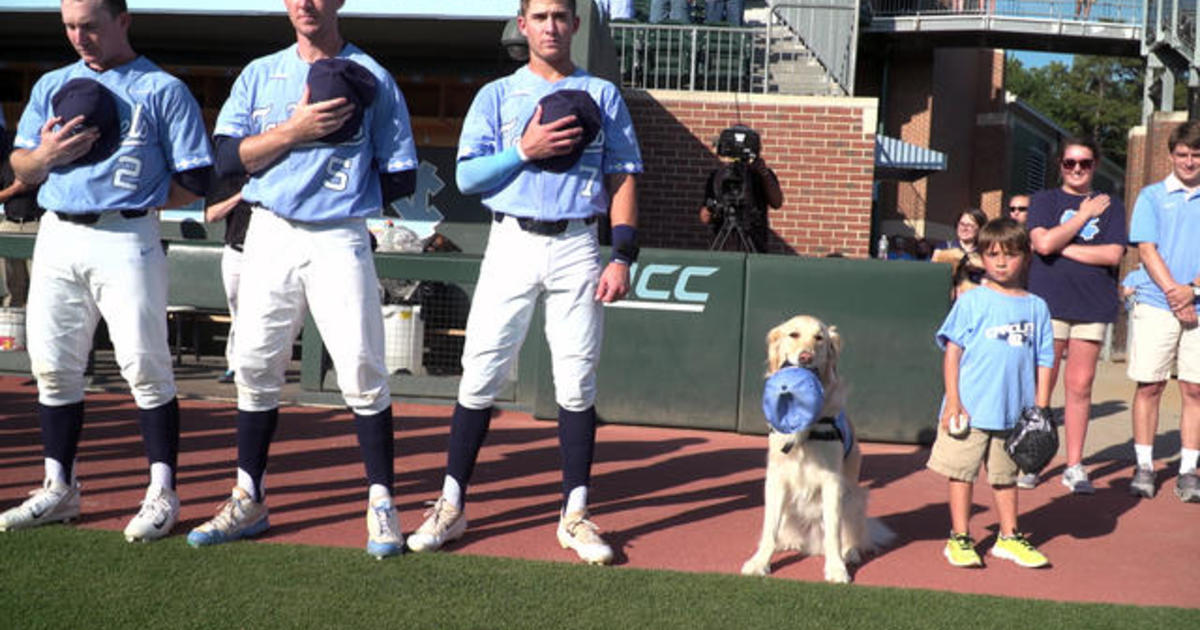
(813, 502)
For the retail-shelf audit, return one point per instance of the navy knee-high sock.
(468, 428)
(61, 426)
(255, 429)
(160, 434)
(577, 441)
(377, 442)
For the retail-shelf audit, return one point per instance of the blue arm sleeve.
(484, 173)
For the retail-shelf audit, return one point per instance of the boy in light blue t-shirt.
(999, 348)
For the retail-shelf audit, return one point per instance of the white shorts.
(1156, 342)
(115, 269)
(517, 268)
(1070, 329)
(289, 269)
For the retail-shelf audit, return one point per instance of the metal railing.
(1172, 22)
(829, 30)
(1118, 11)
(688, 57)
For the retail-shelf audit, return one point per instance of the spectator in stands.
(1018, 208)
(670, 11)
(225, 202)
(724, 12)
(615, 9)
(21, 214)
(1163, 327)
(960, 252)
(1078, 237)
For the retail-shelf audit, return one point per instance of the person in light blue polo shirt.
(1165, 228)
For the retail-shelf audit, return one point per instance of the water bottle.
(881, 250)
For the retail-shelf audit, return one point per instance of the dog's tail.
(879, 534)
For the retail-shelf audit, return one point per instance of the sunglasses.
(1018, 208)
(1069, 164)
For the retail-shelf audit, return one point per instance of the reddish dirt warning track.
(674, 499)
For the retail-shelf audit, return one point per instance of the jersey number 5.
(337, 169)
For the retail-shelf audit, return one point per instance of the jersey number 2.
(127, 172)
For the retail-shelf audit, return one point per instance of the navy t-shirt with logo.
(1073, 290)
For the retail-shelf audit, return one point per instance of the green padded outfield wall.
(671, 348)
(886, 313)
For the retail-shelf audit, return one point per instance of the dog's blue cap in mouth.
(792, 399)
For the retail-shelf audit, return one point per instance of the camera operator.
(737, 194)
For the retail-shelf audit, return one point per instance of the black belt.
(88, 218)
(544, 228)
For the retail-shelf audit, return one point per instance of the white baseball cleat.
(383, 530)
(576, 532)
(54, 501)
(443, 523)
(159, 513)
(239, 516)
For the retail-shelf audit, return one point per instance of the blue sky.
(1035, 59)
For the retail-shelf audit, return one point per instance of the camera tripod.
(729, 227)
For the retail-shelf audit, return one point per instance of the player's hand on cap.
(310, 121)
(68, 142)
(614, 283)
(554, 138)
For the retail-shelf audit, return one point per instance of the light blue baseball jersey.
(317, 181)
(496, 121)
(1004, 338)
(162, 132)
(1166, 215)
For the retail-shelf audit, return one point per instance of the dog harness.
(830, 429)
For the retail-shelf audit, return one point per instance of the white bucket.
(403, 339)
(12, 329)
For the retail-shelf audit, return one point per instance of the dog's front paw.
(852, 556)
(754, 566)
(836, 572)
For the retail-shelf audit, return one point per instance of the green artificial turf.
(63, 577)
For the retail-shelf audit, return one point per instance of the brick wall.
(822, 150)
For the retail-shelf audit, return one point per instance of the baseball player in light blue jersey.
(547, 178)
(138, 145)
(324, 133)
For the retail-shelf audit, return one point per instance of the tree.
(1099, 97)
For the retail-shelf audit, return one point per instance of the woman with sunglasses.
(1078, 237)
(960, 252)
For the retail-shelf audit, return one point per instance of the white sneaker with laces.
(54, 501)
(1027, 481)
(159, 513)
(383, 530)
(576, 532)
(239, 516)
(444, 522)
(1075, 478)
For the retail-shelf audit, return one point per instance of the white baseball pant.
(115, 269)
(231, 274)
(518, 267)
(288, 269)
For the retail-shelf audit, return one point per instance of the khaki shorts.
(1071, 329)
(960, 459)
(1156, 341)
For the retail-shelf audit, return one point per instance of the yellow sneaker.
(960, 551)
(1018, 549)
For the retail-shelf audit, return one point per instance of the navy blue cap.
(579, 104)
(98, 106)
(792, 399)
(341, 78)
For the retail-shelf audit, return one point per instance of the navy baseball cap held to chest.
(341, 78)
(98, 106)
(577, 103)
